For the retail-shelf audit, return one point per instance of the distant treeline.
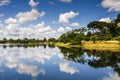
(27, 41)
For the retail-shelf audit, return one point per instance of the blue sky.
(51, 18)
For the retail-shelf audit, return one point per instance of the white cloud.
(38, 31)
(65, 1)
(24, 17)
(33, 4)
(112, 77)
(65, 17)
(11, 65)
(4, 2)
(1, 25)
(75, 24)
(13, 29)
(65, 67)
(68, 28)
(112, 5)
(11, 21)
(61, 29)
(107, 20)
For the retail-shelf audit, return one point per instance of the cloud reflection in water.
(14, 58)
(65, 67)
(112, 77)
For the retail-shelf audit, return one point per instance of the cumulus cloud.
(11, 28)
(65, 17)
(65, 1)
(11, 21)
(24, 17)
(75, 24)
(107, 20)
(61, 29)
(33, 4)
(65, 67)
(112, 77)
(38, 31)
(1, 25)
(112, 5)
(11, 65)
(4, 2)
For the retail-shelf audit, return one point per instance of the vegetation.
(96, 31)
(102, 45)
(73, 37)
(27, 41)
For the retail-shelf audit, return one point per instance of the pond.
(57, 63)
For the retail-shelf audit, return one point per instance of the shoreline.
(87, 45)
(98, 45)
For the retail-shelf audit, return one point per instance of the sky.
(51, 18)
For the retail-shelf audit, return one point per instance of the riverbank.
(102, 45)
(67, 45)
(98, 45)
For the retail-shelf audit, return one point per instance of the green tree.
(74, 36)
(117, 20)
(78, 38)
(44, 40)
(52, 40)
(93, 38)
(118, 38)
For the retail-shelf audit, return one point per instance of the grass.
(67, 45)
(102, 45)
(98, 45)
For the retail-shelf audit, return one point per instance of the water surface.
(53, 63)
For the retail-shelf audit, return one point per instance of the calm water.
(52, 63)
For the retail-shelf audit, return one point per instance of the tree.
(118, 38)
(4, 40)
(117, 20)
(105, 31)
(78, 38)
(87, 37)
(52, 40)
(93, 38)
(44, 40)
(74, 36)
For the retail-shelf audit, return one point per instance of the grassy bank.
(67, 45)
(98, 45)
(102, 45)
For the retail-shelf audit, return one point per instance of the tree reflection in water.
(26, 45)
(94, 58)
